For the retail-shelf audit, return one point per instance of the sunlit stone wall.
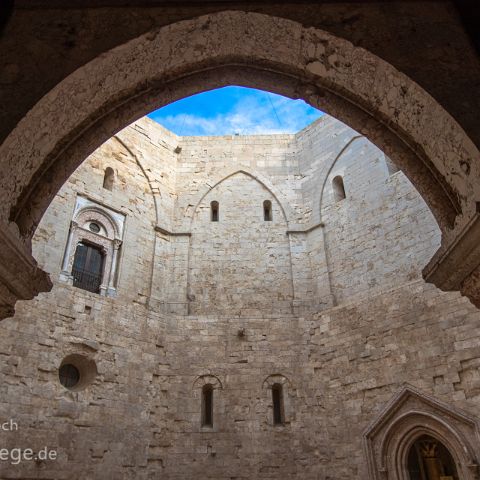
(327, 296)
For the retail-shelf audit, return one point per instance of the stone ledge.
(452, 269)
(20, 276)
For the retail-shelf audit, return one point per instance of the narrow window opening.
(87, 267)
(338, 188)
(277, 400)
(207, 406)
(108, 178)
(267, 210)
(214, 211)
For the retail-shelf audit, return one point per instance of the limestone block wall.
(325, 239)
(130, 196)
(152, 147)
(140, 418)
(205, 161)
(382, 234)
(363, 323)
(240, 262)
(317, 148)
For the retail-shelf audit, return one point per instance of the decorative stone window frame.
(218, 401)
(410, 415)
(287, 392)
(108, 240)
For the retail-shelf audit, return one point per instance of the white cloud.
(250, 115)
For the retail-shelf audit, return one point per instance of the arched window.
(207, 405)
(267, 210)
(108, 178)
(277, 403)
(214, 211)
(428, 459)
(338, 188)
(87, 267)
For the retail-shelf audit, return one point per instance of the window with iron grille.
(87, 267)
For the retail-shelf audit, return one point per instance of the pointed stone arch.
(261, 51)
(328, 173)
(226, 174)
(408, 416)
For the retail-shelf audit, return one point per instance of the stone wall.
(240, 262)
(363, 325)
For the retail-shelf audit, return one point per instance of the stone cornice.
(20, 276)
(307, 230)
(449, 269)
(172, 234)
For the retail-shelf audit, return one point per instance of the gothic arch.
(153, 61)
(330, 169)
(407, 417)
(250, 49)
(226, 174)
(130, 149)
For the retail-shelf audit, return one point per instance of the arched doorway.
(416, 437)
(259, 51)
(429, 459)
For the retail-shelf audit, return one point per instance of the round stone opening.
(94, 227)
(69, 375)
(77, 372)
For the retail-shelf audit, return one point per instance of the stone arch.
(287, 212)
(321, 61)
(330, 169)
(102, 216)
(154, 192)
(213, 285)
(409, 428)
(276, 378)
(207, 379)
(217, 404)
(287, 400)
(259, 51)
(407, 417)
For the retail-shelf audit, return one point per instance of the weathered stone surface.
(250, 49)
(343, 328)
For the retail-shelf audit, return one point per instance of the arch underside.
(252, 50)
(70, 153)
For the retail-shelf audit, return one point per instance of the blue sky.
(230, 110)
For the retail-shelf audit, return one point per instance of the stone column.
(432, 463)
(111, 291)
(65, 275)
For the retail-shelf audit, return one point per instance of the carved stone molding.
(20, 276)
(408, 416)
(456, 268)
(207, 379)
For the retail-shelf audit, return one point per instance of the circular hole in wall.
(94, 227)
(77, 372)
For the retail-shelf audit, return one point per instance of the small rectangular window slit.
(277, 401)
(207, 406)
(214, 211)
